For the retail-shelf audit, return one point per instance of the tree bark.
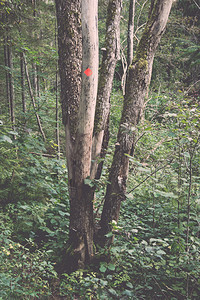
(57, 118)
(7, 73)
(34, 80)
(138, 79)
(57, 102)
(70, 60)
(78, 51)
(110, 57)
(130, 32)
(10, 81)
(38, 81)
(22, 82)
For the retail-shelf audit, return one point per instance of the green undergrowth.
(155, 254)
(148, 259)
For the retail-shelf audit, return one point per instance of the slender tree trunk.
(7, 73)
(38, 81)
(130, 32)
(78, 97)
(11, 81)
(138, 79)
(35, 36)
(57, 102)
(57, 119)
(22, 82)
(34, 80)
(110, 57)
(33, 99)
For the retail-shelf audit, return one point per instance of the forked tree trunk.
(78, 94)
(139, 76)
(78, 50)
(110, 57)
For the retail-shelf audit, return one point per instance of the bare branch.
(158, 169)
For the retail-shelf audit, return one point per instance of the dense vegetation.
(155, 254)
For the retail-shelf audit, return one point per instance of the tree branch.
(150, 175)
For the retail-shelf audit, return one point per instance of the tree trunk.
(70, 60)
(22, 82)
(138, 79)
(34, 80)
(38, 81)
(57, 119)
(7, 73)
(11, 81)
(110, 57)
(57, 102)
(78, 97)
(33, 99)
(130, 32)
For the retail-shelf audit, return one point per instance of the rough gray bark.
(70, 60)
(130, 32)
(110, 57)
(78, 50)
(139, 76)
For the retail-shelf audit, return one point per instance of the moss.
(112, 10)
(142, 48)
(144, 44)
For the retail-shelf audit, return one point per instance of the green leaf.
(62, 213)
(109, 234)
(129, 284)
(5, 138)
(102, 268)
(127, 293)
(143, 169)
(13, 132)
(113, 292)
(186, 154)
(111, 267)
(89, 182)
(161, 252)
